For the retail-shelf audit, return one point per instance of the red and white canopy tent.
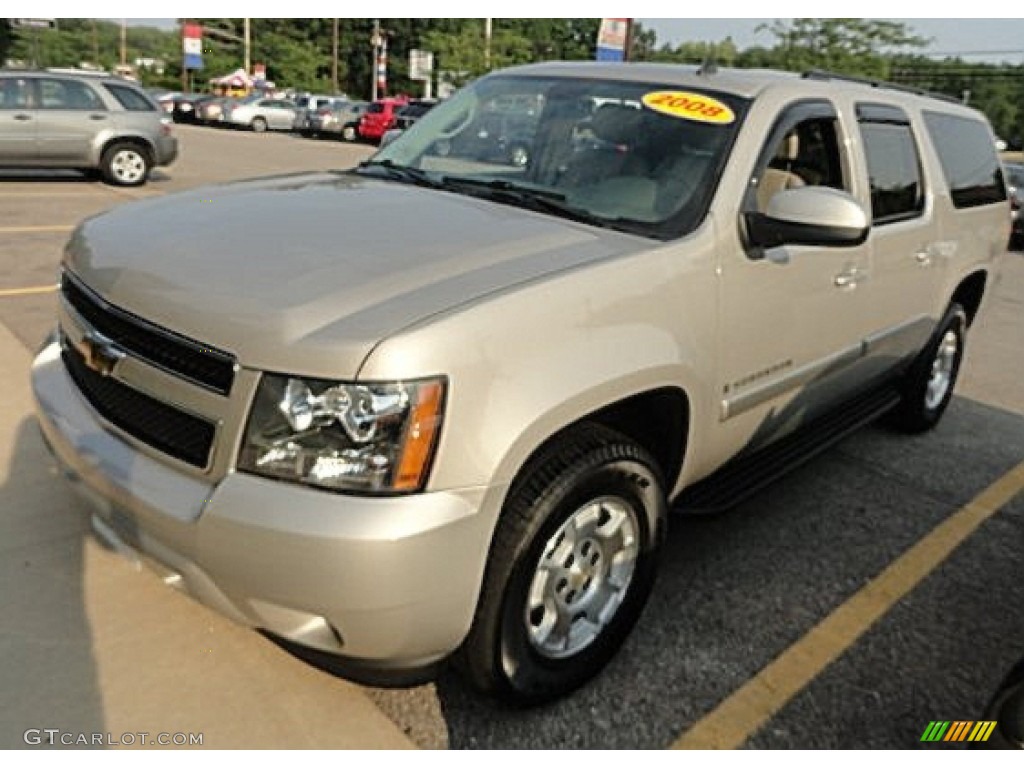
(241, 79)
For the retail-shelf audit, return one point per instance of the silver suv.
(460, 428)
(90, 122)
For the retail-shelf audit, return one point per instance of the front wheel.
(259, 125)
(928, 386)
(572, 564)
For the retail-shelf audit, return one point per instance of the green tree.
(850, 46)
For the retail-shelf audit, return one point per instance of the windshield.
(635, 156)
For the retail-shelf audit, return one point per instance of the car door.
(905, 245)
(280, 114)
(17, 121)
(69, 117)
(792, 317)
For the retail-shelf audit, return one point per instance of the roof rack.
(821, 74)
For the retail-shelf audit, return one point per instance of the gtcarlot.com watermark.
(37, 736)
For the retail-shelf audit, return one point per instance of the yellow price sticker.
(689, 106)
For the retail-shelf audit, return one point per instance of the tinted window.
(375, 108)
(303, 101)
(67, 94)
(15, 93)
(968, 156)
(893, 170)
(129, 98)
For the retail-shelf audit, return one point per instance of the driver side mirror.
(809, 216)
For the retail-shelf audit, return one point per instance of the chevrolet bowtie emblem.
(100, 353)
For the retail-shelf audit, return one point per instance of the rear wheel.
(571, 566)
(125, 164)
(928, 386)
(348, 133)
(258, 124)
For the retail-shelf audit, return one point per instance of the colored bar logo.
(958, 730)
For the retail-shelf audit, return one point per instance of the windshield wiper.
(402, 172)
(543, 200)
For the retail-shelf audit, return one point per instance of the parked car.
(407, 116)
(211, 111)
(84, 121)
(1015, 180)
(308, 106)
(183, 107)
(379, 118)
(495, 136)
(262, 114)
(341, 120)
(459, 428)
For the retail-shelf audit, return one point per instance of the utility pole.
(334, 59)
(375, 41)
(487, 43)
(124, 43)
(95, 45)
(248, 62)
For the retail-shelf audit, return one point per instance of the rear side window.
(129, 98)
(968, 156)
(894, 166)
(67, 94)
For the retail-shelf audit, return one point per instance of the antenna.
(709, 66)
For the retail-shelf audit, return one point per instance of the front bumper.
(389, 582)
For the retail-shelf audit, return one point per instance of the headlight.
(371, 438)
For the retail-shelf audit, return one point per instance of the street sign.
(36, 23)
(611, 39)
(421, 65)
(192, 45)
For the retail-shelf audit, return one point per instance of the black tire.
(349, 133)
(125, 164)
(570, 476)
(922, 402)
(259, 125)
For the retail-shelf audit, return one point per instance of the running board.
(746, 474)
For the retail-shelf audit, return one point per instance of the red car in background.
(380, 118)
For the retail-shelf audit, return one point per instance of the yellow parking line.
(9, 292)
(41, 228)
(744, 712)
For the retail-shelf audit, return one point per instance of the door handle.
(97, 117)
(848, 278)
(22, 117)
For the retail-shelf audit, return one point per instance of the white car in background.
(262, 115)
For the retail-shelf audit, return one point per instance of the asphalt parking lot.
(872, 591)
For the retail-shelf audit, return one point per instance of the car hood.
(306, 273)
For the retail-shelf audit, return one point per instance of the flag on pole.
(192, 45)
(611, 39)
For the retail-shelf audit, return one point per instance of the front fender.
(524, 365)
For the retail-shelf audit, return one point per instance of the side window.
(801, 153)
(967, 153)
(15, 93)
(894, 165)
(67, 94)
(129, 98)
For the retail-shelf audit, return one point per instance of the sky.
(948, 35)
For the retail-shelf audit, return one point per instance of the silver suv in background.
(90, 122)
